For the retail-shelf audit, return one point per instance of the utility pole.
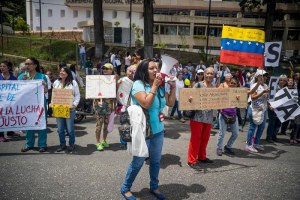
(1, 9)
(130, 26)
(208, 26)
(40, 4)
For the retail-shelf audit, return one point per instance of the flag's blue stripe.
(229, 44)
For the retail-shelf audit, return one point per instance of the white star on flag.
(241, 42)
(262, 46)
(234, 41)
(228, 43)
(249, 43)
(221, 47)
(256, 44)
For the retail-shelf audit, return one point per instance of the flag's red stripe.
(241, 58)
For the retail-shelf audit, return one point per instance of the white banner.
(294, 93)
(100, 86)
(273, 50)
(273, 85)
(282, 96)
(22, 105)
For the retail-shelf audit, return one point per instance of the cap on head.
(108, 65)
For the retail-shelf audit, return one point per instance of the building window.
(114, 14)
(49, 12)
(75, 28)
(62, 28)
(37, 28)
(88, 14)
(216, 32)
(155, 29)
(62, 13)
(37, 12)
(183, 30)
(168, 30)
(199, 30)
(128, 15)
(75, 13)
(50, 28)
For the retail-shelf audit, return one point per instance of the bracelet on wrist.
(152, 93)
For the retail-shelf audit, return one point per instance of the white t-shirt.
(261, 101)
(128, 60)
(82, 49)
(179, 84)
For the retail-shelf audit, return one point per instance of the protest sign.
(124, 90)
(167, 64)
(100, 86)
(282, 96)
(62, 97)
(22, 105)
(287, 111)
(273, 50)
(212, 98)
(294, 93)
(273, 85)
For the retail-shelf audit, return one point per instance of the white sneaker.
(251, 149)
(259, 147)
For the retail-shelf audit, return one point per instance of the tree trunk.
(98, 28)
(271, 6)
(148, 28)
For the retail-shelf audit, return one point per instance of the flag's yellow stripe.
(246, 34)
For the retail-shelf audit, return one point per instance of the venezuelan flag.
(242, 46)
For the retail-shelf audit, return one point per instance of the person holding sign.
(103, 108)
(200, 127)
(257, 111)
(66, 81)
(274, 122)
(147, 93)
(227, 117)
(33, 73)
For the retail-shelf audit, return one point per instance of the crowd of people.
(155, 95)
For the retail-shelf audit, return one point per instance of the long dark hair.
(69, 78)
(9, 65)
(73, 68)
(35, 62)
(142, 73)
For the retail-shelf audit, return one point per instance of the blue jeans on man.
(222, 131)
(69, 122)
(82, 57)
(252, 128)
(175, 107)
(155, 145)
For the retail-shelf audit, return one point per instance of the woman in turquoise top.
(32, 73)
(147, 93)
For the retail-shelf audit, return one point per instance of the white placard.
(282, 96)
(273, 50)
(287, 111)
(100, 86)
(22, 105)
(124, 90)
(273, 85)
(167, 64)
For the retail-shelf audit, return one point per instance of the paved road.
(88, 174)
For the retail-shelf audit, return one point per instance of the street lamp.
(208, 24)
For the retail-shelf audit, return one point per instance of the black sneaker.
(206, 161)
(62, 147)
(71, 147)
(195, 166)
(229, 150)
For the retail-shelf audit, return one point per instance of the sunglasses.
(105, 68)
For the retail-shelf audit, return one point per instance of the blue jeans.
(61, 122)
(82, 60)
(273, 126)
(154, 147)
(252, 127)
(175, 107)
(222, 131)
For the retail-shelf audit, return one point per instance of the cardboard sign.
(124, 91)
(212, 98)
(62, 97)
(100, 86)
(22, 105)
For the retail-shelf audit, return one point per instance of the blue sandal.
(159, 196)
(128, 198)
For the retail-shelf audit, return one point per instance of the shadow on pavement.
(219, 163)
(80, 133)
(172, 191)
(115, 147)
(168, 159)
(172, 134)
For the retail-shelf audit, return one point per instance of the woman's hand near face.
(157, 80)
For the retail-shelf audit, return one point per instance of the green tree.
(99, 28)
(18, 23)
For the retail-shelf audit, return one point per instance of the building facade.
(178, 24)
